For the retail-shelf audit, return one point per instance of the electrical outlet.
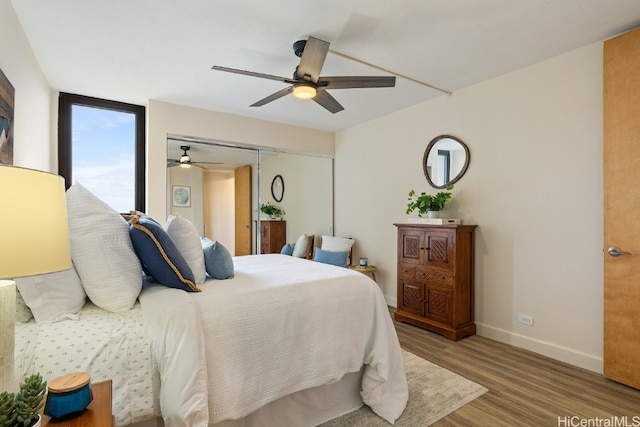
(525, 319)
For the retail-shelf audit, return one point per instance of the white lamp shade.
(33, 223)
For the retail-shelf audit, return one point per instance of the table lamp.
(34, 236)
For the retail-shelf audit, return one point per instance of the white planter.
(433, 214)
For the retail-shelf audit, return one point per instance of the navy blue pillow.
(287, 249)
(338, 258)
(159, 255)
(217, 259)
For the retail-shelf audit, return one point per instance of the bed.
(286, 341)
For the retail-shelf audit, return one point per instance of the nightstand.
(369, 270)
(97, 414)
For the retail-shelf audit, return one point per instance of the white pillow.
(102, 251)
(23, 312)
(53, 297)
(301, 247)
(187, 240)
(337, 244)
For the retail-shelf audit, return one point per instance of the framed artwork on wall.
(181, 196)
(7, 97)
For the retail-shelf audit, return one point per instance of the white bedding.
(107, 345)
(281, 325)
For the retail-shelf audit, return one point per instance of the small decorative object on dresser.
(427, 204)
(271, 211)
(436, 278)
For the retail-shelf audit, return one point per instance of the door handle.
(615, 251)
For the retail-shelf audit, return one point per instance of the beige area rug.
(434, 393)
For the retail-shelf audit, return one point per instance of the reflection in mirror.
(229, 182)
(445, 160)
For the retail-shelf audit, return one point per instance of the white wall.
(534, 187)
(33, 145)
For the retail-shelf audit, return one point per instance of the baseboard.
(554, 351)
(391, 301)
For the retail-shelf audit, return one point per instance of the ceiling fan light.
(185, 165)
(304, 91)
(185, 158)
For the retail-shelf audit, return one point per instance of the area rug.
(434, 393)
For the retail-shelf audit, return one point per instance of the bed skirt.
(309, 407)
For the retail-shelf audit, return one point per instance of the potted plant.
(22, 408)
(271, 211)
(426, 203)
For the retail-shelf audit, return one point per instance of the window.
(101, 146)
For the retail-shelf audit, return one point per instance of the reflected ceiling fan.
(185, 160)
(307, 82)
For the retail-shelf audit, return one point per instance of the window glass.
(103, 161)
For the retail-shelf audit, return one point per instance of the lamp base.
(7, 334)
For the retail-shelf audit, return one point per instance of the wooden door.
(621, 207)
(243, 210)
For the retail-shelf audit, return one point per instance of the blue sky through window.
(104, 154)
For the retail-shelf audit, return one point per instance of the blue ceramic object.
(68, 395)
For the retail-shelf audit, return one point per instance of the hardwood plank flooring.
(525, 388)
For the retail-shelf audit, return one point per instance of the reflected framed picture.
(181, 196)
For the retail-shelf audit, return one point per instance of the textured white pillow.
(187, 240)
(337, 244)
(102, 251)
(53, 297)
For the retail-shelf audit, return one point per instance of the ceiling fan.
(307, 82)
(185, 160)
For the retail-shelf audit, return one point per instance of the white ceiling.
(133, 51)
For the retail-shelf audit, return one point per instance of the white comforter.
(281, 325)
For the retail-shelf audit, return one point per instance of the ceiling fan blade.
(349, 82)
(327, 101)
(273, 96)
(208, 163)
(312, 60)
(253, 74)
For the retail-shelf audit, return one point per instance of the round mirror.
(277, 188)
(445, 160)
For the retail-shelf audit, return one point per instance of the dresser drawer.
(406, 271)
(434, 275)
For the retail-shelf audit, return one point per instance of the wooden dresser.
(436, 278)
(273, 236)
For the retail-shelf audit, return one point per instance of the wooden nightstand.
(369, 270)
(97, 414)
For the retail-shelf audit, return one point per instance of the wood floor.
(525, 388)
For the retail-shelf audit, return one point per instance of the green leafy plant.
(271, 210)
(426, 202)
(8, 409)
(22, 408)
